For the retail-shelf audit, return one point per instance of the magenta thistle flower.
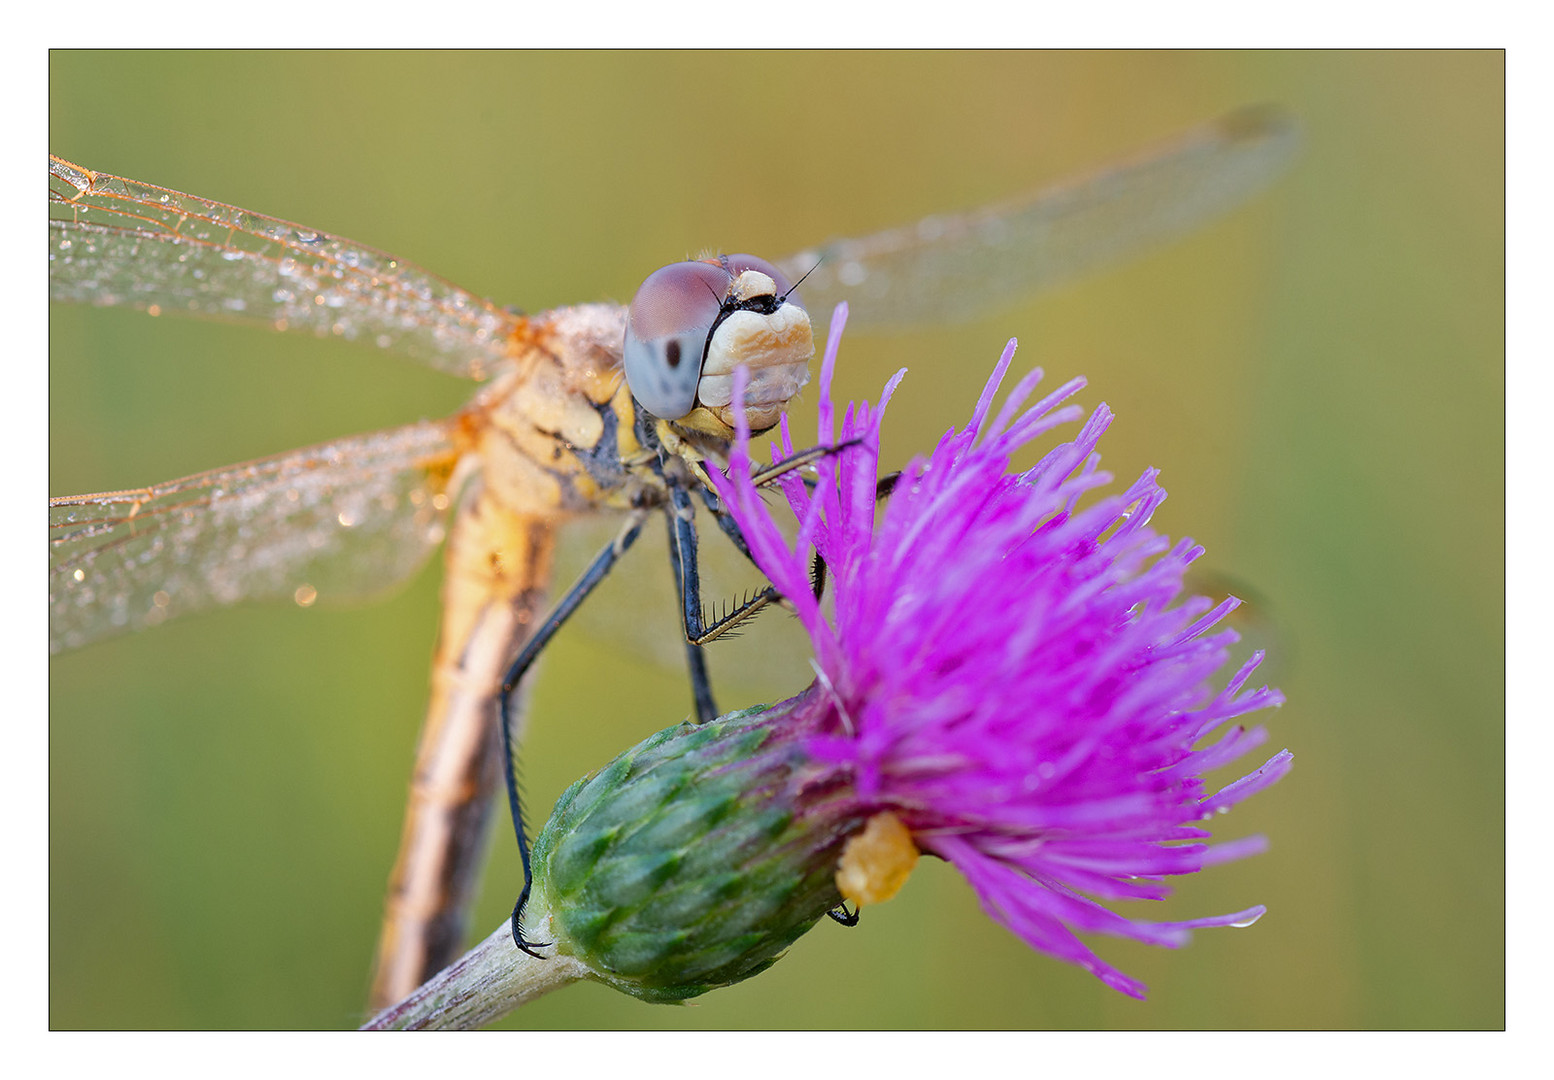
(1011, 672)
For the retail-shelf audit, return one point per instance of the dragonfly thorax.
(692, 324)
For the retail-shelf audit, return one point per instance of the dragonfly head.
(692, 323)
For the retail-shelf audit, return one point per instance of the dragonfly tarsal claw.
(525, 945)
(842, 915)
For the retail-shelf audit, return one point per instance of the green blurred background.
(1319, 376)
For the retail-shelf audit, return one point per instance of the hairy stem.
(486, 983)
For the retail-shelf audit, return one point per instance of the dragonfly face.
(692, 323)
(545, 440)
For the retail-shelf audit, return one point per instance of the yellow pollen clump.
(876, 862)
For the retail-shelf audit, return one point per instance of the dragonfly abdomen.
(498, 572)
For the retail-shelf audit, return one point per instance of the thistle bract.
(692, 860)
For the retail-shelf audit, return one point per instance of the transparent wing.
(948, 268)
(349, 518)
(114, 241)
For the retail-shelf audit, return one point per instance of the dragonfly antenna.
(800, 281)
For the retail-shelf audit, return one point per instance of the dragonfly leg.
(842, 915)
(681, 517)
(570, 602)
(767, 474)
(699, 627)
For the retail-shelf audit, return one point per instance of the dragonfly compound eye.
(667, 328)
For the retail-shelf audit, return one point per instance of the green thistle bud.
(694, 859)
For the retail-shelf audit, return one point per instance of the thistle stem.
(485, 984)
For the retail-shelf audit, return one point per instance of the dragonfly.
(571, 420)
